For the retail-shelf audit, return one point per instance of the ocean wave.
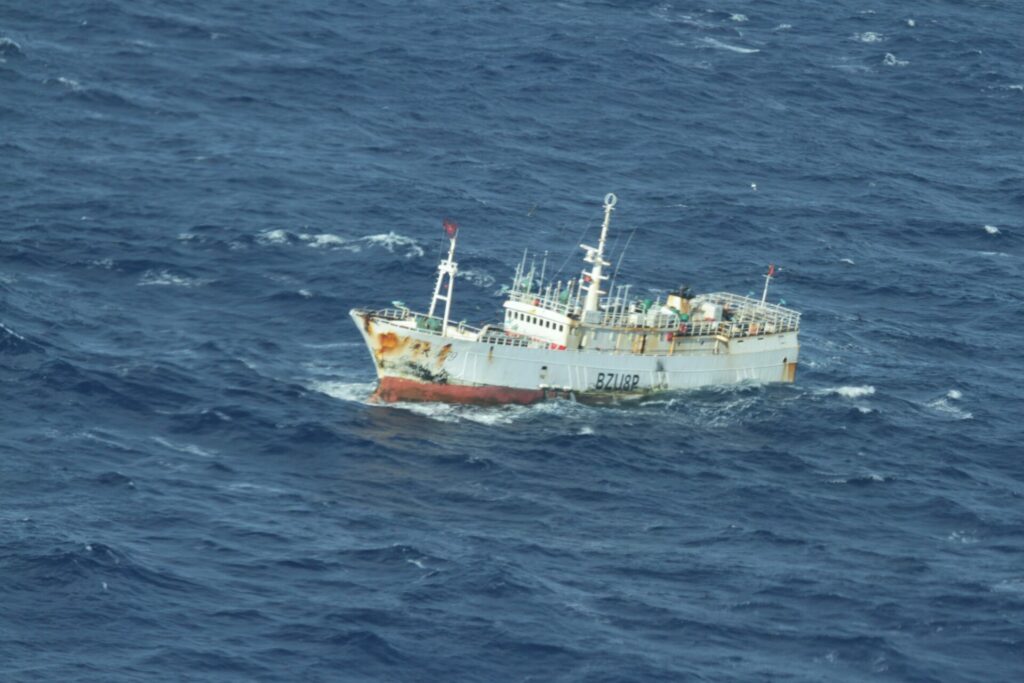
(359, 392)
(869, 37)
(946, 407)
(861, 480)
(277, 236)
(1014, 585)
(323, 240)
(187, 448)
(10, 48)
(165, 278)
(391, 242)
(478, 278)
(12, 343)
(719, 45)
(96, 565)
(849, 391)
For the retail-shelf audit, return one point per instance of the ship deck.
(742, 317)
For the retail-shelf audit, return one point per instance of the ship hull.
(421, 365)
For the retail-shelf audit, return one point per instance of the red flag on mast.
(450, 228)
(771, 270)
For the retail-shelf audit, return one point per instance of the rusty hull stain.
(409, 357)
(442, 356)
(388, 343)
(789, 374)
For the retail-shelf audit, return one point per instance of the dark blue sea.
(194, 486)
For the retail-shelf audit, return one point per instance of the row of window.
(516, 315)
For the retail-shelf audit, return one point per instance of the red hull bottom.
(393, 389)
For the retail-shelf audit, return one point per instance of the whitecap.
(167, 278)
(890, 60)
(70, 83)
(477, 277)
(323, 240)
(711, 42)
(961, 537)
(992, 230)
(11, 332)
(447, 412)
(392, 241)
(868, 37)
(305, 293)
(850, 391)
(738, 17)
(346, 391)
(272, 237)
(783, 27)
(954, 394)
(846, 260)
(10, 47)
(490, 416)
(944, 407)
(911, 23)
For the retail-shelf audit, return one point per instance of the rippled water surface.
(194, 487)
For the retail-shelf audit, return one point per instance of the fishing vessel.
(574, 340)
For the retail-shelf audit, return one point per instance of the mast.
(596, 257)
(446, 267)
(767, 279)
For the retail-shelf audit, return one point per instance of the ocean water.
(194, 487)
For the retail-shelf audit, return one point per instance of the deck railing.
(423, 322)
(550, 303)
(747, 318)
(747, 311)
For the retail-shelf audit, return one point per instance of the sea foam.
(851, 391)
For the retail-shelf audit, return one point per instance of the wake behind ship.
(571, 340)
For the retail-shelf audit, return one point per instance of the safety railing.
(422, 322)
(741, 316)
(745, 311)
(550, 303)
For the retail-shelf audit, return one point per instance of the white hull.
(427, 357)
